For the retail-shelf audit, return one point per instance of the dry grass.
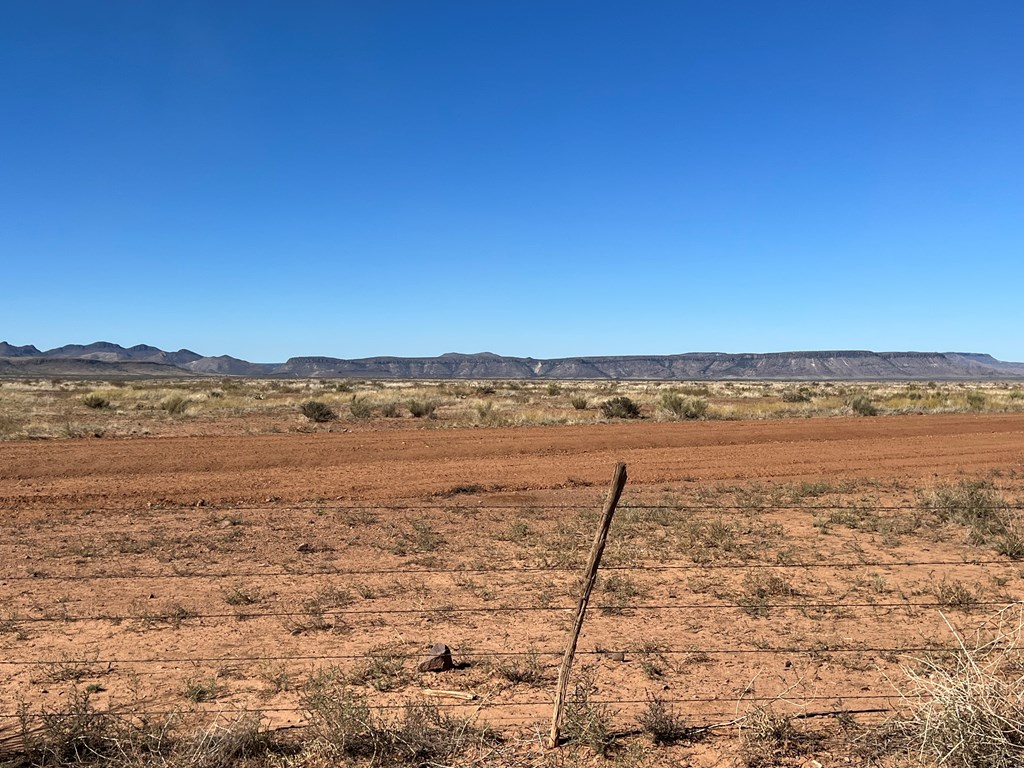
(59, 408)
(967, 710)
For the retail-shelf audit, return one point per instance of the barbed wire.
(27, 505)
(505, 704)
(442, 609)
(641, 652)
(403, 571)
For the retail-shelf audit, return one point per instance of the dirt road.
(419, 462)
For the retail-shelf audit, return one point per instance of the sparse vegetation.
(344, 724)
(967, 709)
(586, 721)
(662, 722)
(526, 669)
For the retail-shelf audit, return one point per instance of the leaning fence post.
(589, 577)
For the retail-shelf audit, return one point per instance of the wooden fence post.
(589, 577)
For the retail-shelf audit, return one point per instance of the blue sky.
(529, 177)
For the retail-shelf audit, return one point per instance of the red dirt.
(81, 509)
(412, 463)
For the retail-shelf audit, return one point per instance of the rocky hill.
(102, 359)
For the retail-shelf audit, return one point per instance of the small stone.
(201, 503)
(304, 547)
(617, 656)
(439, 659)
(224, 524)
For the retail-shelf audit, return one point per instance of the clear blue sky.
(267, 179)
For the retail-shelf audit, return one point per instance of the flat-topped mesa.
(821, 365)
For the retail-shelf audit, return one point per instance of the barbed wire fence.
(710, 707)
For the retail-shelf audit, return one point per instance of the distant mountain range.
(105, 360)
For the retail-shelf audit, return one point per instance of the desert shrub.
(318, 411)
(93, 400)
(801, 395)
(360, 408)
(343, 722)
(579, 402)
(384, 669)
(175, 405)
(977, 505)
(862, 406)
(78, 733)
(620, 407)
(684, 407)
(967, 709)
(225, 745)
(554, 389)
(767, 737)
(662, 722)
(390, 409)
(526, 669)
(976, 401)
(974, 503)
(422, 408)
(586, 721)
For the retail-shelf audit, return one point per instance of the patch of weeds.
(526, 668)
(78, 733)
(798, 395)
(955, 594)
(344, 724)
(325, 599)
(198, 689)
(767, 737)
(967, 709)
(619, 591)
(11, 625)
(226, 745)
(277, 677)
(652, 660)
(585, 721)
(663, 723)
(758, 590)
(706, 540)
(384, 669)
(579, 402)
(70, 669)
(239, 594)
(518, 531)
